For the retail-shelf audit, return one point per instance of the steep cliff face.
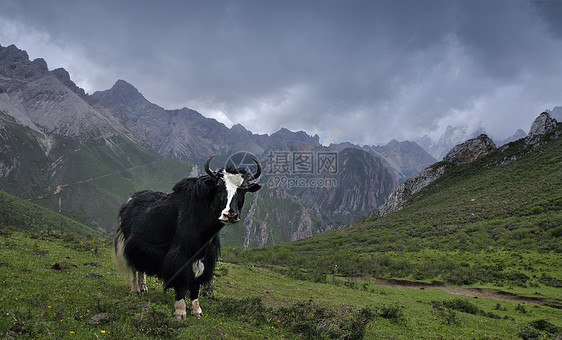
(399, 197)
(305, 205)
(363, 183)
(402, 159)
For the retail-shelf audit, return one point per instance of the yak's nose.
(230, 217)
(233, 217)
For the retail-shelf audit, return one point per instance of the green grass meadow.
(51, 290)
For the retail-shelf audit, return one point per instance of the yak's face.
(233, 187)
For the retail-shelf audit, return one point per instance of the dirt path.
(472, 292)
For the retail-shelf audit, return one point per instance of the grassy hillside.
(490, 223)
(96, 200)
(21, 214)
(55, 286)
(19, 150)
(86, 180)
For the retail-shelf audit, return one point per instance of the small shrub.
(539, 328)
(392, 312)
(251, 307)
(516, 278)
(464, 306)
(520, 308)
(527, 333)
(545, 325)
(448, 316)
(550, 280)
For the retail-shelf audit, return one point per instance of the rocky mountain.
(181, 134)
(36, 98)
(466, 152)
(184, 134)
(542, 124)
(402, 159)
(291, 206)
(60, 152)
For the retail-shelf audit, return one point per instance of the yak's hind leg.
(142, 282)
(135, 289)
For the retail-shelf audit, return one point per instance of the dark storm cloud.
(362, 71)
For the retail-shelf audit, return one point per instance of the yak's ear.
(254, 187)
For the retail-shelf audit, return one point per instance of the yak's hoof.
(196, 309)
(180, 309)
(180, 314)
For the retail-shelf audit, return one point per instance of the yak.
(174, 236)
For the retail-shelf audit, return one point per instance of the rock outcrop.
(542, 125)
(466, 152)
(470, 150)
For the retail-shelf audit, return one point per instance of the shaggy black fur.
(163, 231)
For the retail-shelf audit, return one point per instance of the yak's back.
(151, 214)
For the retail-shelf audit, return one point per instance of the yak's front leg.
(194, 297)
(179, 306)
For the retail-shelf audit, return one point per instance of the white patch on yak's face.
(232, 183)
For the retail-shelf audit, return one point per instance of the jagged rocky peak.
(470, 150)
(542, 124)
(120, 93)
(15, 63)
(64, 77)
(288, 137)
(125, 91)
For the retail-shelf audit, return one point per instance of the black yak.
(174, 236)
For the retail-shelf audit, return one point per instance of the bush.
(305, 318)
(464, 306)
(537, 328)
(317, 322)
(447, 315)
(392, 312)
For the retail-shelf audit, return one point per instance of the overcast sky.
(358, 71)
